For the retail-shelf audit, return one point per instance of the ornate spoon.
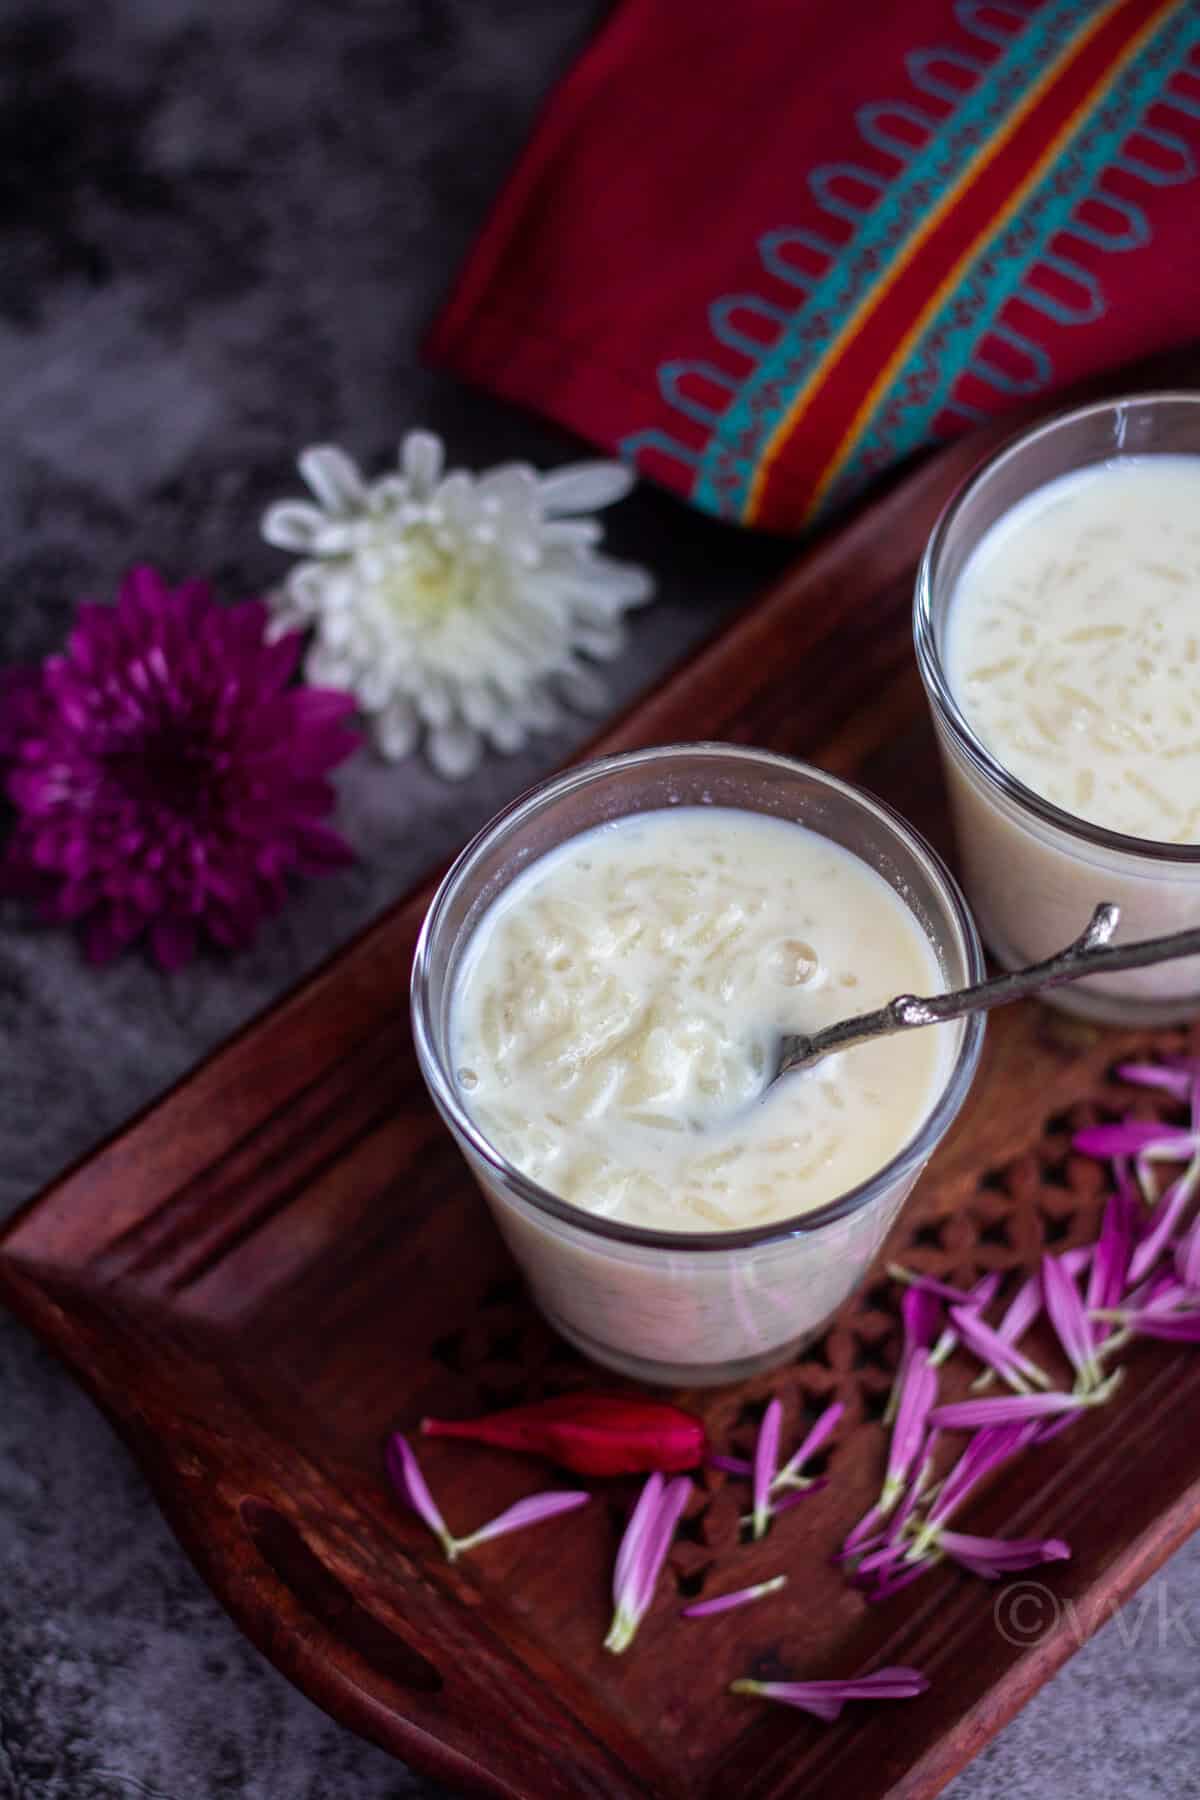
(1090, 954)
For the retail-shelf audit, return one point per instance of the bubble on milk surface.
(794, 963)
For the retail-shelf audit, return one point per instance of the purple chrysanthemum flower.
(166, 778)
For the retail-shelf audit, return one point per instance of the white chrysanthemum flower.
(457, 608)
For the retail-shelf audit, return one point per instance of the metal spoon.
(1090, 954)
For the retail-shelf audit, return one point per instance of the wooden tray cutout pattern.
(285, 1259)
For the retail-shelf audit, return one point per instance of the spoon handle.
(1090, 954)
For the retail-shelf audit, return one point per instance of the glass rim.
(911, 1154)
(932, 669)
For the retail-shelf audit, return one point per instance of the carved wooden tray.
(285, 1259)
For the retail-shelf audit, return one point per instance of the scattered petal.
(905, 1578)
(988, 1449)
(410, 1484)
(1164, 1220)
(929, 1284)
(732, 1465)
(1176, 1082)
(1070, 1321)
(532, 1511)
(800, 1495)
(792, 1471)
(739, 1597)
(1187, 1257)
(994, 1557)
(981, 1295)
(1010, 1409)
(863, 1533)
(921, 1315)
(1109, 1271)
(995, 1352)
(766, 1464)
(1134, 1138)
(1172, 1328)
(640, 1520)
(826, 1698)
(1026, 1303)
(642, 1552)
(912, 1416)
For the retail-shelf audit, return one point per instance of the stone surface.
(224, 231)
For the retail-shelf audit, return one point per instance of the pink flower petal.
(991, 1349)
(1026, 1303)
(1069, 1319)
(1109, 1271)
(1172, 1328)
(800, 1496)
(1022, 1310)
(980, 1296)
(929, 1284)
(1177, 1082)
(921, 1315)
(1187, 1258)
(988, 1449)
(532, 1511)
(902, 1579)
(821, 1430)
(641, 1555)
(826, 1698)
(410, 1484)
(1001, 1556)
(1133, 1138)
(912, 1497)
(640, 1521)
(1166, 1216)
(731, 1465)
(766, 1463)
(885, 1556)
(861, 1534)
(648, 1566)
(1006, 1409)
(912, 1415)
(703, 1609)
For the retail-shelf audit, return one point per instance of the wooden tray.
(285, 1259)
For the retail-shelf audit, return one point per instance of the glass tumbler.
(692, 1308)
(1034, 873)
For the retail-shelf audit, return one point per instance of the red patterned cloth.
(766, 250)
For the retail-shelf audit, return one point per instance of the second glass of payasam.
(1058, 635)
(598, 993)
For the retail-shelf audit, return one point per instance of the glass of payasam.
(698, 1306)
(1032, 867)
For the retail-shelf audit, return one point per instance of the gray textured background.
(224, 229)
